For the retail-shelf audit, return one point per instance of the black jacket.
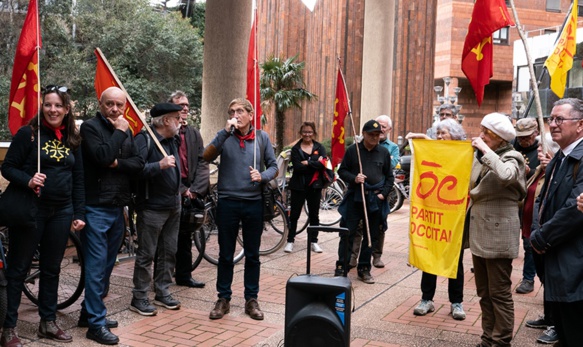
(102, 144)
(302, 174)
(198, 168)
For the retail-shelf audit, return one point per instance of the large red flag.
(477, 56)
(253, 93)
(341, 109)
(24, 88)
(105, 78)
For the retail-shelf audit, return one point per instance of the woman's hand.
(381, 197)
(37, 182)
(77, 225)
(479, 144)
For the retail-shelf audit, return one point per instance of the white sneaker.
(289, 247)
(457, 311)
(316, 248)
(424, 307)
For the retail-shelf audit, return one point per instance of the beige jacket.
(497, 185)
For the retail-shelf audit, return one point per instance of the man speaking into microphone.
(243, 150)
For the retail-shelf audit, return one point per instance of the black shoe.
(191, 282)
(539, 323)
(525, 287)
(167, 301)
(84, 323)
(143, 307)
(103, 336)
(549, 336)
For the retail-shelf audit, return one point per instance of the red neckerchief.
(57, 131)
(243, 138)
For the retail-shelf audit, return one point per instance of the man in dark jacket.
(110, 160)
(556, 229)
(158, 208)
(194, 183)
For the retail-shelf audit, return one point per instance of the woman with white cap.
(497, 185)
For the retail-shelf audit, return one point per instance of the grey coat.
(497, 186)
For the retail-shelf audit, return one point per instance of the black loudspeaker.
(317, 311)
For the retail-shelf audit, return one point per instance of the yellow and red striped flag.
(561, 60)
(25, 85)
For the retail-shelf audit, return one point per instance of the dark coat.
(306, 172)
(559, 232)
(198, 168)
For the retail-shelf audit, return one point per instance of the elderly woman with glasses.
(307, 159)
(61, 207)
(497, 185)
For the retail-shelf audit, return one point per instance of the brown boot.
(10, 338)
(253, 310)
(222, 307)
(50, 330)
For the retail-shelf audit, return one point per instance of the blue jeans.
(229, 214)
(50, 237)
(528, 269)
(101, 239)
(156, 230)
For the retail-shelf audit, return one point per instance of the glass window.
(500, 37)
(554, 5)
(575, 75)
(523, 79)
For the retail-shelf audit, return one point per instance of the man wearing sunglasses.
(556, 229)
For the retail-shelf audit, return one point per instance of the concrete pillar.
(377, 59)
(227, 28)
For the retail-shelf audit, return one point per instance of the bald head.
(386, 125)
(112, 102)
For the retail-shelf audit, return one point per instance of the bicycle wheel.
(198, 247)
(395, 199)
(71, 278)
(331, 199)
(211, 235)
(274, 232)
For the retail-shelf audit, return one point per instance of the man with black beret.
(158, 210)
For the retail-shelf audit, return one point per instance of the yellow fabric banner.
(440, 178)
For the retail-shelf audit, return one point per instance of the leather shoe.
(191, 282)
(102, 335)
(377, 262)
(222, 307)
(50, 330)
(253, 310)
(10, 338)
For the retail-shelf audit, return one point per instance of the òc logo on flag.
(439, 193)
(561, 60)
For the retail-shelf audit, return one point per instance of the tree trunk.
(279, 130)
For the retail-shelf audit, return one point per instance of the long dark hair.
(73, 139)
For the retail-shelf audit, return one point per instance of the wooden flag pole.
(146, 126)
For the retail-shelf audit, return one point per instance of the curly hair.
(455, 129)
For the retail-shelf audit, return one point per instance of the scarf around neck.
(57, 130)
(243, 138)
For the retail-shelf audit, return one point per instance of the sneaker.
(222, 307)
(365, 276)
(539, 323)
(167, 301)
(143, 307)
(289, 247)
(316, 248)
(339, 271)
(525, 287)
(457, 311)
(424, 307)
(549, 336)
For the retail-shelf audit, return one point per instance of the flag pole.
(133, 106)
(38, 92)
(366, 223)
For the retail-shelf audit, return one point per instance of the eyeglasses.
(239, 111)
(307, 133)
(184, 105)
(489, 132)
(52, 87)
(560, 120)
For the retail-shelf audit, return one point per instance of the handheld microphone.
(232, 129)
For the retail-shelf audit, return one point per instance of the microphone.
(232, 129)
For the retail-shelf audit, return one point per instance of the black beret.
(164, 108)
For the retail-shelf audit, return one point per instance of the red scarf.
(243, 138)
(57, 131)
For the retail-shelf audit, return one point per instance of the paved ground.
(382, 314)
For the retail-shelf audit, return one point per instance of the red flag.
(341, 109)
(105, 78)
(25, 86)
(477, 56)
(253, 93)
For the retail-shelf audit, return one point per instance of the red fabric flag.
(477, 55)
(253, 94)
(25, 85)
(341, 109)
(105, 78)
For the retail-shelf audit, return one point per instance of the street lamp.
(517, 104)
(447, 99)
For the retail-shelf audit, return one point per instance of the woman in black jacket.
(61, 207)
(306, 156)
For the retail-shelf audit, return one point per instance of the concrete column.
(227, 28)
(377, 59)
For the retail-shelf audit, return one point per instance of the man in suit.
(556, 229)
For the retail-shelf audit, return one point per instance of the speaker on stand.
(317, 309)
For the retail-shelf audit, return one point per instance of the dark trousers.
(455, 286)
(568, 322)
(50, 237)
(539, 262)
(354, 215)
(297, 204)
(184, 252)
(230, 213)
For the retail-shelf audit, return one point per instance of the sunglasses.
(51, 88)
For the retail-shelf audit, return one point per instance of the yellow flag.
(439, 193)
(561, 60)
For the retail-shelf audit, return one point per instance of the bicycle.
(71, 278)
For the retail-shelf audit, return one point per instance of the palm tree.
(282, 88)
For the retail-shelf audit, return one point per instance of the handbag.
(18, 207)
(268, 203)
